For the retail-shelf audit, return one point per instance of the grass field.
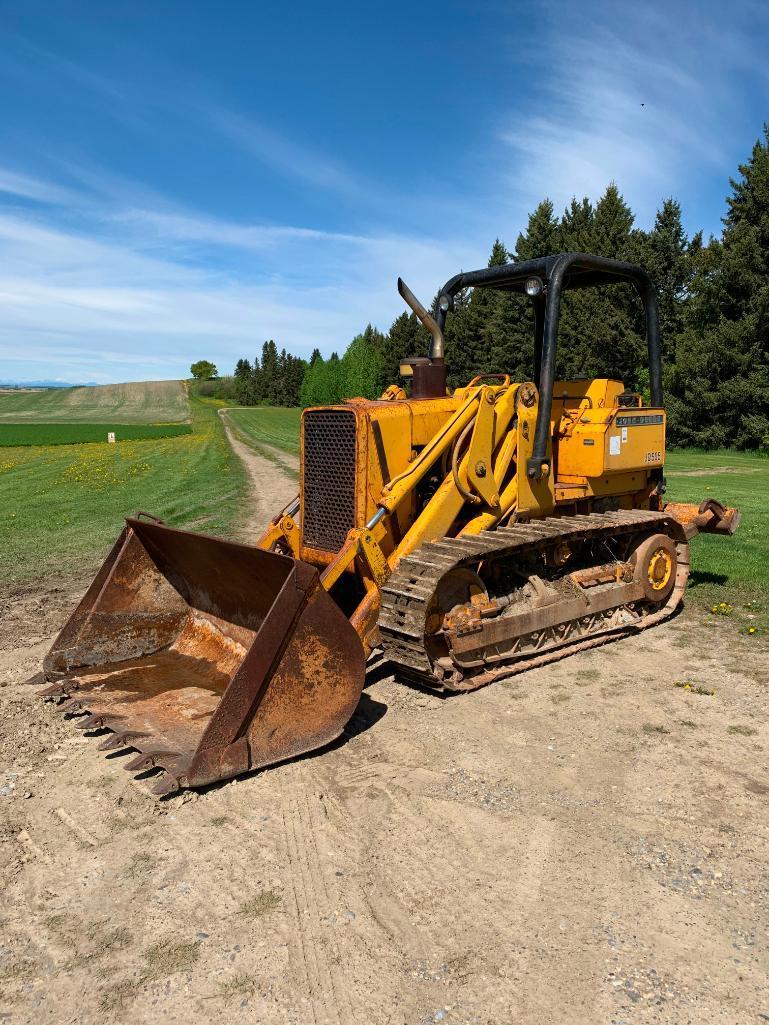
(270, 432)
(264, 425)
(12, 435)
(61, 507)
(733, 570)
(140, 402)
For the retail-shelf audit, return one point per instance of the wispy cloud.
(26, 187)
(145, 297)
(300, 160)
(625, 97)
(195, 228)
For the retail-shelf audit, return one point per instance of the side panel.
(612, 441)
(635, 438)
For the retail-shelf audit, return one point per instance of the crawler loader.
(465, 536)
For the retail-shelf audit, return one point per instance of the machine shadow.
(367, 713)
(698, 577)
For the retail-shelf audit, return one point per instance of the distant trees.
(274, 380)
(360, 372)
(204, 370)
(714, 312)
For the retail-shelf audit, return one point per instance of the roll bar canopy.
(558, 272)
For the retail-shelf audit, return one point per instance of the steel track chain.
(406, 595)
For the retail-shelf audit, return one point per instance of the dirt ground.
(586, 843)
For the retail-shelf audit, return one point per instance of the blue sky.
(185, 180)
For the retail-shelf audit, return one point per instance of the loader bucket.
(206, 656)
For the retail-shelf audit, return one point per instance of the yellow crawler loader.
(466, 535)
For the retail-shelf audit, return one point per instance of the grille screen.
(328, 484)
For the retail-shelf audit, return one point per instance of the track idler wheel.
(655, 562)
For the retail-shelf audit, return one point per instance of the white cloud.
(128, 307)
(286, 156)
(637, 94)
(26, 187)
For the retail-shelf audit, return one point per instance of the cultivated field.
(262, 425)
(62, 506)
(585, 843)
(139, 402)
(25, 434)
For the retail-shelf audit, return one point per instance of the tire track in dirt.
(315, 952)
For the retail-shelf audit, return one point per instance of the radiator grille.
(328, 481)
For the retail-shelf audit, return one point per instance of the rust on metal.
(208, 657)
(710, 517)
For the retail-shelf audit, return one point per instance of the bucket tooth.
(98, 721)
(151, 760)
(71, 706)
(165, 785)
(36, 680)
(123, 738)
(54, 690)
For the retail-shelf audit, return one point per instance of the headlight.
(444, 303)
(533, 286)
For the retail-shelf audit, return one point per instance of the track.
(407, 595)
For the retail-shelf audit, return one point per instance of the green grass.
(14, 435)
(137, 402)
(62, 507)
(735, 569)
(270, 432)
(263, 424)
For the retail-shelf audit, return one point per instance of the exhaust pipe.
(437, 349)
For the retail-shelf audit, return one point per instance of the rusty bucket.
(206, 656)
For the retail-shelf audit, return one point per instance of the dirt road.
(586, 844)
(270, 489)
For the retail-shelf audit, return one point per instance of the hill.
(137, 402)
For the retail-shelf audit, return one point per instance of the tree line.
(714, 312)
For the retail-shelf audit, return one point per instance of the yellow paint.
(403, 467)
(479, 466)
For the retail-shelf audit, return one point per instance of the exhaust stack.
(429, 376)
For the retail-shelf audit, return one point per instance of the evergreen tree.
(476, 336)
(269, 379)
(668, 256)
(612, 225)
(294, 372)
(543, 236)
(576, 227)
(243, 385)
(362, 365)
(721, 386)
(599, 331)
